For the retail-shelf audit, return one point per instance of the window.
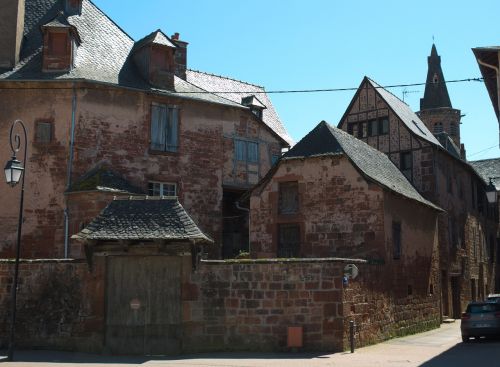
(257, 112)
(43, 132)
(164, 128)
(373, 128)
(246, 151)
(350, 128)
(406, 164)
(435, 78)
(58, 44)
(274, 159)
(288, 240)
(162, 189)
(438, 127)
(383, 126)
(288, 197)
(396, 240)
(361, 129)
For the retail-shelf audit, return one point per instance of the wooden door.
(143, 305)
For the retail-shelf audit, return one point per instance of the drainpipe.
(68, 178)
(498, 86)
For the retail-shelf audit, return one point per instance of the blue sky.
(314, 44)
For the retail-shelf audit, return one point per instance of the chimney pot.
(175, 36)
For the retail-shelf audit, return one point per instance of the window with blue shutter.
(164, 128)
(246, 151)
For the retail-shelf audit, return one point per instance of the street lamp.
(491, 192)
(13, 173)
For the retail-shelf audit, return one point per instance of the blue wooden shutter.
(253, 152)
(158, 127)
(172, 129)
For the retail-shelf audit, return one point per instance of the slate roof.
(216, 83)
(156, 37)
(435, 94)
(487, 168)
(102, 179)
(143, 218)
(373, 164)
(448, 143)
(404, 112)
(104, 56)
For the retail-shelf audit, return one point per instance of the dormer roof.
(157, 38)
(61, 21)
(252, 102)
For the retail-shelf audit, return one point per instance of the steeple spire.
(436, 93)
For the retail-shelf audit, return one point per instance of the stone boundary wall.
(226, 305)
(60, 304)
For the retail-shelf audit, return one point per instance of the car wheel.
(465, 338)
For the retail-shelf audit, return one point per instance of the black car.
(480, 319)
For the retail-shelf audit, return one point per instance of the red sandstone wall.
(225, 305)
(113, 129)
(60, 304)
(340, 213)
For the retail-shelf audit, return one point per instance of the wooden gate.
(143, 305)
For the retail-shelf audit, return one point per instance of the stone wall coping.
(285, 261)
(42, 261)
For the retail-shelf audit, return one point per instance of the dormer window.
(154, 56)
(60, 40)
(256, 106)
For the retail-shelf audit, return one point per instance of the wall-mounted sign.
(135, 304)
(351, 271)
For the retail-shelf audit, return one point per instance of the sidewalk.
(416, 350)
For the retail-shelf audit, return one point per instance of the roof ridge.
(377, 86)
(226, 77)
(486, 159)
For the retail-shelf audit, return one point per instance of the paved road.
(438, 348)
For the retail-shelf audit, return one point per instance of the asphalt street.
(437, 348)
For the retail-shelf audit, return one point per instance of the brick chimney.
(180, 56)
(73, 7)
(11, 32)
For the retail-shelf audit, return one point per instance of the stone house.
(110, 116)
(434, 162)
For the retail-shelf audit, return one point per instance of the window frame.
(162, 188)
(245, 151)
(171, 123)
(402, 164)
(284, 193)
(38, 139)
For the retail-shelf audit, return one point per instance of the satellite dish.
(351, 271)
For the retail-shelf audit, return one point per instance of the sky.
(325, 44)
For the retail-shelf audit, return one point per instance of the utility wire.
(482, 151)
(330, 89)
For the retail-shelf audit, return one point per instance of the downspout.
(498, 87)
(68, 178)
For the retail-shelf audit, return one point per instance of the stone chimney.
(180, 56)
(11, 32)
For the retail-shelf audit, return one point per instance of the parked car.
(480, 319)
(494, 297)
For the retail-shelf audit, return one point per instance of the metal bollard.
(351, 332)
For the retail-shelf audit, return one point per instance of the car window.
(482, 308)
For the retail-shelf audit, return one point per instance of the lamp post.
(13, 173)
(491, 191)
